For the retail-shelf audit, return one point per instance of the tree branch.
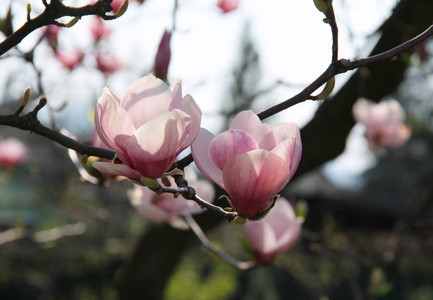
(189, 194)
(342, 66)
(31, 123)
(53, 11)
(330, 19)
(241, 265)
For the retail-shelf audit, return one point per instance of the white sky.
(294, 46)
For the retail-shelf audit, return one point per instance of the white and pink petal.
(200, 153)
(250, 122)
(229, 144)
(253, 179)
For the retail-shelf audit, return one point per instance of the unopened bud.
(26, 97)
(72, 22)
(240, 220)
(327, 90)
(163, 56)
(29, 10)
(323, 5)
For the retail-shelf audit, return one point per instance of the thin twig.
(190, 194)
(334, 29)
(241, 265)
(342, 66)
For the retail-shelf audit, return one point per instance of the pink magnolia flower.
(275, 233)
(106, 63)
(228, 5)
(163, 56)
(251, 161)
(383, 122)
(147, 128)
(12, 152)
(165, 207)
(70, 59)
(99, 30)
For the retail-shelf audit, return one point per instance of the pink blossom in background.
(383, 122)
(163, 56)
(228, 5)
(147, 128)
(99, 29)
(12, 152)
(107, 63)
(70, 59)
(251, 161)
(165, 207)
(52, 36)
(274, 234)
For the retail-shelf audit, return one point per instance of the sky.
(293, 43)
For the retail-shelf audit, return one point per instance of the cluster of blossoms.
(151, 125)
(384, 127)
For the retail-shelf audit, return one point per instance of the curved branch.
(241, 265)
(53, 11)
(31, 123)
(342, 66)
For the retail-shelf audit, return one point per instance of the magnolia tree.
(152, 134)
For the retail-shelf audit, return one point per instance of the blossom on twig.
(147, 128)
(168, 208)
(275, 233)
(251, 161)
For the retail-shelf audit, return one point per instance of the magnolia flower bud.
(163, 56)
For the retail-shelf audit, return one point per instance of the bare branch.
(330, 19)
(190, 194)
(241, 265)
(31, 123)
(53, 11)
(342, 66)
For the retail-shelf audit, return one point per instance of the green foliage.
(200, 281)
(424, 292)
